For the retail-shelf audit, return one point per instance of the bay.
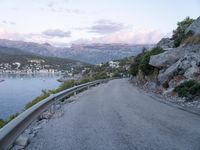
(16, 90)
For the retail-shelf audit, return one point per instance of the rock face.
(169, 73)
(171, 56)
(165, 43)
(166, 59)
(194, 28)
(187, 66)
(184, 61)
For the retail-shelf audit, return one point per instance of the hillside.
(16, 59)
(173, 66)
(91, 53)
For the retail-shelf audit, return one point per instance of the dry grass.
(192, 39)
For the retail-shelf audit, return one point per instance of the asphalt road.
(117, 116)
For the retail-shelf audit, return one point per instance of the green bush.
(141, 62)
(144, 63)
(179, 34)
(12, 117)
(116, 74)
(44, 95)
(188, 89)
(100, 75)
(63, 86)
(134, 68)
(2, 123)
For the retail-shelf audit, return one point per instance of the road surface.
(117, 116)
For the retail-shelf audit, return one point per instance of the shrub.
(188, 89)
(12, 117)
(100, 75)
(179, 34)
(134, 68)
(44, 95)
(144, 63)
(141, 62)
(63, 86)
(116, 74)
(85, 80)
(2, 123)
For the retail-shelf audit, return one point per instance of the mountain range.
(90, 53)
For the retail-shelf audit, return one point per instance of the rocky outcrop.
(164, 77)
(171, 56)
(194, 28)
(166, 59)
(165, 43)
(181, 61)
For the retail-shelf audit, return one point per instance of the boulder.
(46, 115)
(172, 55)
(22, 141)
(165, 43)
(190, 65)
(169, 91)
(166, 59)
(151, 85)
(191, 72)
(169, 73)
(194, 28)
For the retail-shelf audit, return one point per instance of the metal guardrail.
(10, 132)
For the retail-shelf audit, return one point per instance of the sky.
(66, 22)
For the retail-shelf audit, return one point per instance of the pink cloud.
(143, 37)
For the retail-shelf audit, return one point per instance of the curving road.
(116, 116)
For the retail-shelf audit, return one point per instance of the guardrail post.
(75, 94)
(52, 109)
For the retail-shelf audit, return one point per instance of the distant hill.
(91, 53)
(10, 58)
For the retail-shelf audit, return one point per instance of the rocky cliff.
(176, 64)
(182, 62)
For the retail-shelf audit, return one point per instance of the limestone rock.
(165, 43)
(166, 59)
(194, 28)
(46, 115)
(171, 56)
(151, 85)
(22, 141)
(168, 92)
(169, 73)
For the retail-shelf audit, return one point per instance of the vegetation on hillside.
(189, 88)
(195, 39)
(2, 123)
(12, 55)
(141, 62)
(179, 33)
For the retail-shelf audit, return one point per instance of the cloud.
(142, 37)
(60, 6)
(106, 27)
(8, 22)
(5, 34)
(57, 33)
(31, 37)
